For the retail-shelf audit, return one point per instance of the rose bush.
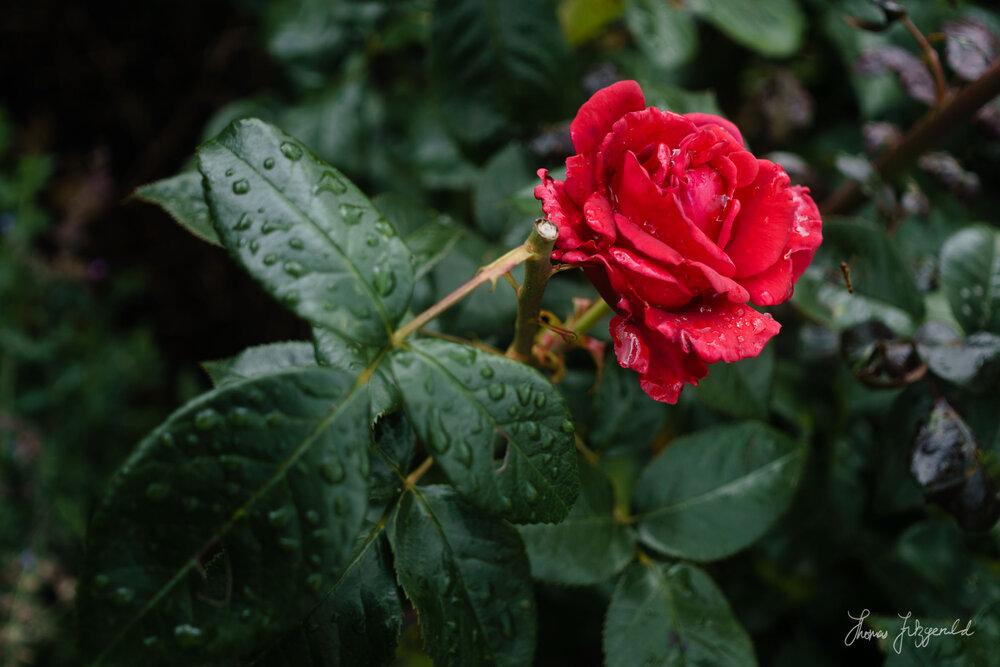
(679, 227)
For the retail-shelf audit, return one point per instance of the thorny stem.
(933, 127)
(489, 273)
(931, 59)
(537, 270)
(594, 314)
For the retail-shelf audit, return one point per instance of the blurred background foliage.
(443, 110)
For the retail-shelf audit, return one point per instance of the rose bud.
(679, 227)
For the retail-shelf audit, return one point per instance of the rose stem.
(491, 272)
(933, 127)
(931, 58)
(537, 270)
(594, 314)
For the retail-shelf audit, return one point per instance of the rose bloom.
(679, 227)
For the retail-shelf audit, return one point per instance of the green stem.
(929, 130)
(489, 273)
(594, 314)
(529, 297)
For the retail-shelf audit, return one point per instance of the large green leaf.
(467, 576)
(621, 415)
(499, 430)
(184, 199)
(305, 232)
(494, 60)
(666, 35)
(770, 27)
(970, 275)
(664, 614)
(712, 493)
(357, 624)
(336, 351)
(228, 522)
(589, 545)
(260, 360)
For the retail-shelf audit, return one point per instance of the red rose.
(679, 227)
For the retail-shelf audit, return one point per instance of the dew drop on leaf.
(244, 223)
(280, 517)
(205, 419)
(385, 282)
(496, 391)
(332, 470)
(290, 150)
(270, 258)
(241, 187)
(567, 427)
(330, 183)
(312, 517)
(294, 269)
(122, 596)
(269, 163)
(464, 454)
(296, 243)
(540, 400)
(314, 582)
(351, 214)
(187, 636)
(239, 416)
(524, 395)
(530, 492)
(486, 372)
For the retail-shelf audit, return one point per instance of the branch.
(529, 297)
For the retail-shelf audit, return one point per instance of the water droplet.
(230, 171)
(964, 292)
(273, 419)
(331, 183)
(280, 517)
(157, 491)
(351, 214)
(371, 240)
(239, 416)
(385, 282)
(440, 438)
(567, 427)
(966, 309)
(244, 223)
(977, 290)
(360, 312)
(167, 439)
(332, 470)
(254, 246)
(241, 187)
(189, 503)
(314, 582)
(486, 372)
(463, 453)
(524, 395)
(291, 299)
(312, 517)
(383, 227)
(270, 258)
(540, 400)
(294, 269)
(496, 391)
(296, 243)
(291, 151)
(246, 614)
(205, 419)
(321, 535)
(269, 163)
(463, 356)
(315, 560)
(288, 544)
(530, 492)
(122, 596)
(512, 410)
(187, 636)
(533, 429)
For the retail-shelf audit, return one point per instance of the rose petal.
(648, 245)
(637, 132)
(663, 367)
(761, 230)
(772, 285)
(707, 119)
(599, 113)
(561, 211)
(652, 284)
(717, 330)
(660, 215)
(599, 216)
(702, 279)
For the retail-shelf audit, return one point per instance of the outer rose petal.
(663, 367)
(762, 227)
(716, 331)
(561, 211)
(599, 113)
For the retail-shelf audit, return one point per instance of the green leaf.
(395, 443)
(716, 491)
(667, 36)
(467, 576)
(970, 276)
(588, 546)
(503, 176)
(184, 199)
(305, 232)
(494, 60)
(741, 389)
(772, 28)
(358, 623)
(260, 360)
(583, 19)
(673, 615)
(336, 351)
(621, 414)
(499, 430)
(227, 523)
(431, 243)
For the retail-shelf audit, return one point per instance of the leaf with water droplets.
(467, 576)
(232, 505)
(533, 476)
(588, 546)
(183, 198)
(358, 622)
(260, 360)
(664, 614)
(331, 256)
(333, 350)
(716, 491)
(970, 277)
